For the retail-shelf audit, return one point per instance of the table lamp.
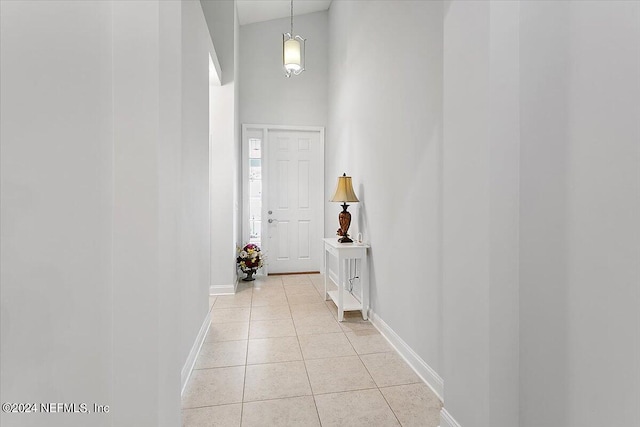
(344, 193)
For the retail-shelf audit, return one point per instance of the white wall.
(104, 206)
(266, 95)
(385, 123)
(535, 195)
(504, 149)
(480, 211)
(543, 280)
(237, 225)
(223, 174)
(466, 252)
(169, 204)
(580, 204)
(134, 208)
(541, 303)
(220, 17)
(56, 207)
(225, 145)
(195, 226)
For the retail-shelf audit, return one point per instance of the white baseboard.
(424, 371)
(195, 349)
(222, 289)
(446, 420)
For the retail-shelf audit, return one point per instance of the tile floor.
(276, 355)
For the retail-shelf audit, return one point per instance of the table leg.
(364, 286)
(341, 267)
(326, 274)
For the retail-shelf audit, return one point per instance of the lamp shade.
(344, 190)
(292, 55)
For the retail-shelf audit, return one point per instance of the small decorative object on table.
(249, 259)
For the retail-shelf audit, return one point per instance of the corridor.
(275, 355)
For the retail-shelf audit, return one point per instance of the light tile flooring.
(276, 355)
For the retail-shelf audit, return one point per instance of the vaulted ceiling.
(250, 11)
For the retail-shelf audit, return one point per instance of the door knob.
(272, 220)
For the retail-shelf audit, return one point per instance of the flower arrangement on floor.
(250, 260)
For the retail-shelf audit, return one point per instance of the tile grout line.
(298, 360)
(246, 358)
(389, 405)
(304, 359)
(212, 406)
(345, 391)
(359, 358)
(284, 398)
(304, 363)
(374, 381)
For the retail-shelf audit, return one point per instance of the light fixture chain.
(292, 18)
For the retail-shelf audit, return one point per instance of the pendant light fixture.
(293, 48)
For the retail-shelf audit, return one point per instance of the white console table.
(345, 252)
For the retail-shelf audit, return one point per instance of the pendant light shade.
(292, 56)
(293, 48)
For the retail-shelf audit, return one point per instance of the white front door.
(294, 200)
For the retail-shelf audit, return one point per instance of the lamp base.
(344, 218)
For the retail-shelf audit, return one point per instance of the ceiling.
(250, 11)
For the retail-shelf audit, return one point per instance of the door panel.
(303, 184)
(282, 239)
(295, 195)
(281, 185)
